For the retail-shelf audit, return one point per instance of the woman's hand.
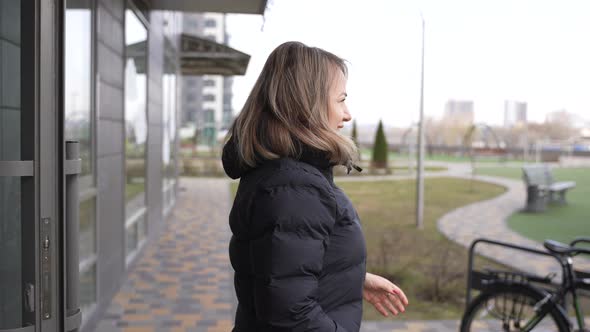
(384, 295)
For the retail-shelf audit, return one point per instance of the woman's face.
(337, 109)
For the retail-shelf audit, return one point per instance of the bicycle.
(518, 301)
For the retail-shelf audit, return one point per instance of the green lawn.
(393, 170)
(562, 223)
(133, 189)
(367, 153)
(428, 267)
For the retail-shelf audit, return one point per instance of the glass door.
(17, 164)
(33, 171)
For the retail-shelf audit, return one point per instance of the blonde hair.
(289, 104)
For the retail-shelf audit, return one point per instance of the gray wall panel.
(115, 7)
(110, 102)
(110, 138)
(110, 154)
(110, 226)
(155, 111)
(155, 91)
(155, 140)
(155, 178)
(110, 65)
(155, 65)
(110, 29)
(110, 145)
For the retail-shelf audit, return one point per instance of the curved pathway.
(183, 280)
(488, 219)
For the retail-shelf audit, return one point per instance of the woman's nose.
(347, 116)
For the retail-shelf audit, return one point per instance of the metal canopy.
(220, 6)
(200, 56)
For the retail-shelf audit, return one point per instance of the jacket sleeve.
(287, 258)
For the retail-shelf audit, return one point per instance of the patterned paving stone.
(184, 283)
(487, 219)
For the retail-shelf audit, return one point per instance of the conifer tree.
(380, 148)
(355, 138)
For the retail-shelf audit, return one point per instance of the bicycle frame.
(497, 243)
(570, 283)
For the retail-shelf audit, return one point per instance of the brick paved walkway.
(488, 219)
(411, 326)
(183, 281)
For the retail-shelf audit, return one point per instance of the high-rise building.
(514, 113)
(206, 104)
(459, 112)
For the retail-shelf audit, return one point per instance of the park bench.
(542, 189)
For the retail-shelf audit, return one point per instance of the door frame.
(50, 152)
(38, 167)
(42, 169)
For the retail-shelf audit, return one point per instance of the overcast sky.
(537, 51)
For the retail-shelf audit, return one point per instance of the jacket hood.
(232, 164)
(235, 168)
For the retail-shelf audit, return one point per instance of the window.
(209, 82)
(79, 124)
(192, 24)
(210, 23)
(136, 130)
(209, 116)
(209, 97)
(12, 194)
(191, 83)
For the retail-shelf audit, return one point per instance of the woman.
(297, 248)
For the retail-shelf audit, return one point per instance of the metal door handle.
(73, 167)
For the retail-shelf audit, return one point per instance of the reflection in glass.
(135, 124)
(131, 239)
(169, 134)
(78, 71)
(10, 253)
(78, 126)
(88, 287)
(11, 232)
(87, 228)
(141, 230)
(135, 112)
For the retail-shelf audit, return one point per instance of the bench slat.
(542, 177)
(559, 186)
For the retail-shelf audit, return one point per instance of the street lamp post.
(420, 170)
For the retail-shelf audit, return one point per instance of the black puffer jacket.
(297, 248)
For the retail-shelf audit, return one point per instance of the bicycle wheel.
(509, 308)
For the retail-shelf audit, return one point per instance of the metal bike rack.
(470, 271)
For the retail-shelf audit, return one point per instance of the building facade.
(206, 110)
(76, 216)
(459, 112)
(514, 113)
